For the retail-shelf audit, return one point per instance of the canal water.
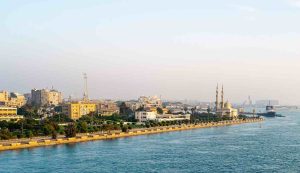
(269, 146)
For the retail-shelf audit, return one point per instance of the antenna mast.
(85, 94)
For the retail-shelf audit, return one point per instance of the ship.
(270, 112)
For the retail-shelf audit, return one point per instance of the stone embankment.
(99, 136)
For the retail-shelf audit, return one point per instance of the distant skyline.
(177, 49)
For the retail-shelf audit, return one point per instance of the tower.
(217, 97)
(222, 98)
(85, 94)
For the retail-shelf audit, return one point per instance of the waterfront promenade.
(39, 142)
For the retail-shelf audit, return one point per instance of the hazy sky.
(174, 48)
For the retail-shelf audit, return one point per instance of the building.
(148, 102)
(45, 97)
(228, 111)
(12, 99)
(224, 109)
(16, 100)
(9, 113)
(172, 117)
(76, 110)
(107, 108)
(143, 116)
(28, 98)
(4, 96)
(133, 105)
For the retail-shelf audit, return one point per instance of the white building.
(143, 116)
(172, 117)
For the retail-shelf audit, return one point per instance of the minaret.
(222, 98)
(217, 98)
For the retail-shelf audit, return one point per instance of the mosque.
(224, 109)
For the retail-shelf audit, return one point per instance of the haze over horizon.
(133, 48)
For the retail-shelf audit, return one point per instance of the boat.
(270, 112)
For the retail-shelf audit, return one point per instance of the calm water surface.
(270, 146)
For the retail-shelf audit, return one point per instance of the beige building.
(149, 102)
(12, 99)
(45, 97)
(228, 111)
(16, 100)
(4, 95)
(76, 110)
(9, 113)
(107, 108)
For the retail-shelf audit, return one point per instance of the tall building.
(44, 97)
(28, 97)
(76, 110)
(12, 99)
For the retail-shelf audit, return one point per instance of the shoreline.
(99, 136)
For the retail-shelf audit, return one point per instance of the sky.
(173, 48)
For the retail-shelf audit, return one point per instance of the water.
(270, 146)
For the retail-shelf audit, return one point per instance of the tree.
(159, 110)
(28, 111)
(125, 128)
(28, 134)
(48, 129)
(82, 127)
(185, 109)
(208, 110)
(60, 118)
(54, 135)
(5, 134)
(70, 131)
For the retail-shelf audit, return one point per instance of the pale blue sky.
(174, 48)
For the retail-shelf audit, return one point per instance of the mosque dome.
(227, 105)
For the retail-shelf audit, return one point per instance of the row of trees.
(30, 127)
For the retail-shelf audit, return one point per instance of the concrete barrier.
(15, 144)
(32, 143)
